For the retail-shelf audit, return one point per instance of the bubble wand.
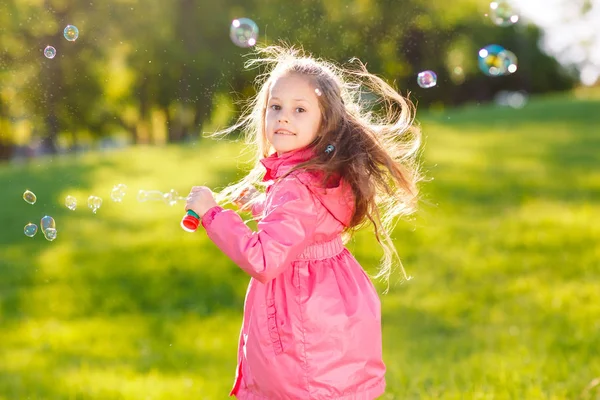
(191, 220)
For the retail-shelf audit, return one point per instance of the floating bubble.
(30, 230)
(29, 197)
(71, 33)
(71, 203)
(495, 60)
(50, 234)
(427, 79)
(50, 52)
(150, 195)
(502, 13)
(243, 32)
(47, 222)
(94, 203)
(118, 193)
(48, 227)
(318, 92)
(171, 197)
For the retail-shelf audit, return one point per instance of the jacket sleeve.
(281, 235)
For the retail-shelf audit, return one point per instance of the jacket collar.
(277, 166)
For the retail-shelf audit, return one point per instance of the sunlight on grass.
(125, 356)
(504, 255)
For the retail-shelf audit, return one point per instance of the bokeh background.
(123, 304)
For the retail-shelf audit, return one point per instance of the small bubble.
(47, 222)
(243, 32)
(30, 230)
(94, 203)
(150, 195)
(71, 33)
(118, 193)
(318, 92)
(171, 197)
(427, 79)
(71, 203)
(48, 227)
(29, 197)
(50, 52)
(502, 13)
(50, 234)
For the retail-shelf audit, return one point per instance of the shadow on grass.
(161, 273)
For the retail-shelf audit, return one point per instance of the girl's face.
(293, 116)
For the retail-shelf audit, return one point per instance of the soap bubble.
(30, 230)
(427, 79)
(150, 195)
(71, 203)
(71, 33)
(118, 193)
(47, 222)
(495, 60)
(502, 13)
(243, 32)
(50, 234)
(29, 197)
(50, 52)
(94, 203)
(48, 227)
(171, 197)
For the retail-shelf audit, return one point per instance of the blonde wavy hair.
(371, 126)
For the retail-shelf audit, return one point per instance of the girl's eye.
(300, 109)
(275, 107)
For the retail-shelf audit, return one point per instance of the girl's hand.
(245, 196)
(200, 200)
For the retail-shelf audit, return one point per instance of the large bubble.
(243, 32)
(495, 60)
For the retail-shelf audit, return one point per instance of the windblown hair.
(371, 127)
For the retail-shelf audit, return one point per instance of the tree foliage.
(162, 71)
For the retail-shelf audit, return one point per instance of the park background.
(505, 297)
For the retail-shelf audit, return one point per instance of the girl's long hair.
(371, 126)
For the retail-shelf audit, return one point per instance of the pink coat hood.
(337, 197)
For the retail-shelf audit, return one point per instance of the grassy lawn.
(505, 255)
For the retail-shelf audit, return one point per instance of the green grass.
(504, 304)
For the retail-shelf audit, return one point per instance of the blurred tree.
(156, 71)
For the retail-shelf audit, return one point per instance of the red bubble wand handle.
(190, 221)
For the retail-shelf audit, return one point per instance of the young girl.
(329, 165)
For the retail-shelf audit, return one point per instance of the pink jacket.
(312, 319)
